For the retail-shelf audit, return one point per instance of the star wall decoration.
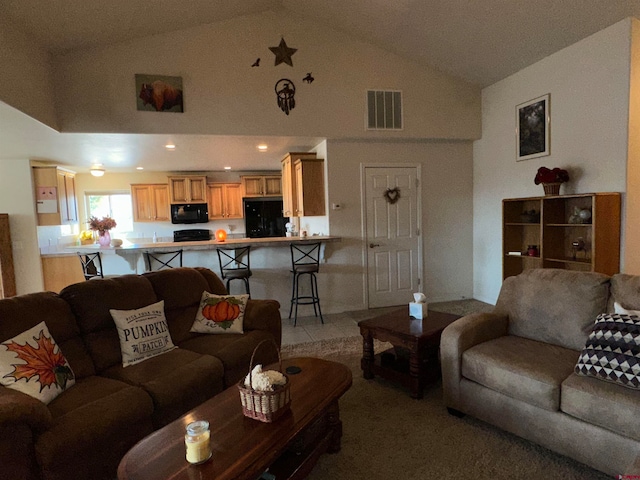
(283, 53)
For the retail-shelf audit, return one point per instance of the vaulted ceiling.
(481, 42)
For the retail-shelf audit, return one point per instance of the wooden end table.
(244, 448)
(413, 362)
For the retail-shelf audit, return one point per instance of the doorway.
(393, 236)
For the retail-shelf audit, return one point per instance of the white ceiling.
(481, 42)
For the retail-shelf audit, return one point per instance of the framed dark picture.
(159, 93)
(532, 128)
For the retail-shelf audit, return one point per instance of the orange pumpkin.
(223, 311)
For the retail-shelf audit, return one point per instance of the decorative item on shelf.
(532, 251)
(585, 215)
(221, 235)
(102, 226)
(530, 216)
(575, 216)
(578, 245)
(551, 179)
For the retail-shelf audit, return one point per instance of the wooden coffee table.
(244, 448)
(413, 362)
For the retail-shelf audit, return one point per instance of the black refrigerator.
(263, 217)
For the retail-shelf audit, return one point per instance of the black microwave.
(190, 213)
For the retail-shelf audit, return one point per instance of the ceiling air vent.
(384, 110)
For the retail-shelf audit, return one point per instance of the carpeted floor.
(389, 435)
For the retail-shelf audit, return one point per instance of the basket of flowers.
(265, 395)
(551, 179)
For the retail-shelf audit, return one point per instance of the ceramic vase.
(104, 238)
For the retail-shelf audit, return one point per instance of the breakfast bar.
(132, 252)
(270, 261)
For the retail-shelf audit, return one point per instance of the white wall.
(25, 76)
(224, 95)
(447, 216)
(17, 199)
(589, 87)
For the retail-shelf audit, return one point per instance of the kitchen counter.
(270, 262)
(128, 247)
(132, 253)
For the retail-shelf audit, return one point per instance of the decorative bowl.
(116, 242)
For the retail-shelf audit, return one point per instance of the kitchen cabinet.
(150, 202)
(308, 175)
(61, 271)
(560, 236)
(188, 189)
(7, 272)
(56, 202)
(225, 200)
(289, 195)
(261, 185)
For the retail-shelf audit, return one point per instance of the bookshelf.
(563, 239)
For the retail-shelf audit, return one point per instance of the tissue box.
(418, 310)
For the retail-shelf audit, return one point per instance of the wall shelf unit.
(563, 239)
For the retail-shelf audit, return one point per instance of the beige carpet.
(388, 435)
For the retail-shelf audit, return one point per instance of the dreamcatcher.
(285, 90)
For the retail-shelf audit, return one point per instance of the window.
(115, 204)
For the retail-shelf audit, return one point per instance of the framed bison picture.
(158, 93)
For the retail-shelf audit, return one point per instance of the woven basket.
(265, 406)
(551, 188)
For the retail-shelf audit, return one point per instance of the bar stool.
(158, 260)
(91, 265)
(233, 267)
(305, 260)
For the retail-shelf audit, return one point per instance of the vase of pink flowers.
(551, 179)
(102, 226)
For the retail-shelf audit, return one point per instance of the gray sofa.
(514, 367)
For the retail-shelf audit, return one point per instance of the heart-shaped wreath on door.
(392, 195)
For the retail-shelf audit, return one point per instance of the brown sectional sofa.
(85, 431)
(514, 367)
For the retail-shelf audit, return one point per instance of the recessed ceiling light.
(263, 147)
(227, 168)
(170, 146)
(97, 170)
(139, 168)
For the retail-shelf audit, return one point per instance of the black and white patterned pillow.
(612, 351)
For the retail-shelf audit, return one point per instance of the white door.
(393, 235)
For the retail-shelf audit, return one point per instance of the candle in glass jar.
(197, 442)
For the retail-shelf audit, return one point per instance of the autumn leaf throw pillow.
(220, 313)
(143, 333)
(32, 363)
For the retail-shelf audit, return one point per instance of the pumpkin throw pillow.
(143, 333)
(32, 363)
(220, 313)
